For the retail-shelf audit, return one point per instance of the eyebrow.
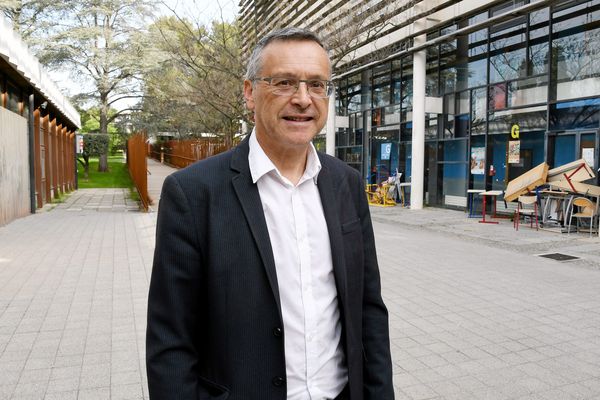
(282, 74)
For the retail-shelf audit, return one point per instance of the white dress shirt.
(314, 358)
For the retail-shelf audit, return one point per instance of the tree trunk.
(103, 158)
(86, 167)
(103, 163)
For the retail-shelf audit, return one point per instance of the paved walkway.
(157, 174)
(475, 313)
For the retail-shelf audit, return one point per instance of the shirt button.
(278, 381)
(277, 332)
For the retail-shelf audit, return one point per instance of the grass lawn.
(116, 177)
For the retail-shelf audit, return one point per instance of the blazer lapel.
(327, 191)
(249, 198)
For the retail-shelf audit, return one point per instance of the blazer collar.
(249, 198)
(328, 189)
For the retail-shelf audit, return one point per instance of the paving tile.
(465, 325)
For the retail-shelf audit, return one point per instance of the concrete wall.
(14, 167)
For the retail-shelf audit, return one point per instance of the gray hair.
(291, 33)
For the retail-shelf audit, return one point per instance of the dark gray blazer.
(215, 329)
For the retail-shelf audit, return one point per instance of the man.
(265, 282)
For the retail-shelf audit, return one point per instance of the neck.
(291, 162)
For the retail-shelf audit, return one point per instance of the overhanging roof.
(17, 54)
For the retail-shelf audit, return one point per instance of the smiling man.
(265, 282)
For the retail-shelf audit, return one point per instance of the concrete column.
(418, 131)
(330, 133)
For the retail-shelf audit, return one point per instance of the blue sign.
(386, 151)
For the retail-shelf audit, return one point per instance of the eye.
(283, 82)
(316, 84)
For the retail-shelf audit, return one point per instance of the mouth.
(298, 118)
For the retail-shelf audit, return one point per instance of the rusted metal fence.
(181, 153)
(138, 166)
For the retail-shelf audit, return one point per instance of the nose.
(302, 98)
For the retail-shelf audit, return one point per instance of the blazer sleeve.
(173, 315)
(377, 366)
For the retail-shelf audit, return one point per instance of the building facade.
(459, 95)
(37, 132)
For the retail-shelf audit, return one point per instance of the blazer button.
(277, 332)
(278, 381)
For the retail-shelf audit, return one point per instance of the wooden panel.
(14, 167)
(576, 171)
(526, 182)
(581, 188)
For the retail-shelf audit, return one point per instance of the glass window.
(392, 115)
(448, 126)
(478, 40)
(406, 132)
(448, 80)
(381, 69)
(577, 65)
(396, 88)
(461, 126)
(564, 150)
(497, 100)
(528, 119)
(381, 91)
(528, 91)
(431, 126)
(455, 182)
(508, 65)
(478, 110)
(453, 150)
(449, 104)
(354, 103)
(431, 82)
(580, 114)
(341, 137)
(538, 24)
(463, 103)
(538, 59)
(477, 73)
(407, 87)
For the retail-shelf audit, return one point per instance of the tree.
(198, 87)
(103, 44)
(95, 143)
(30, 18)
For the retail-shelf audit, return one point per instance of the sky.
(203, 11)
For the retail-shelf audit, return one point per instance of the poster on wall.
(514, 152)
(477, 160)
(386, 151)
(587, 153)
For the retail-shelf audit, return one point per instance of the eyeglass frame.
(330, 87)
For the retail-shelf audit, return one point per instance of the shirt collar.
(260, 164)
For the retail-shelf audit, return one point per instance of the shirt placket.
(302, 241)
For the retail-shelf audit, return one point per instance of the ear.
(249, 95)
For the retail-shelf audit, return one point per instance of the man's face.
(288, 122)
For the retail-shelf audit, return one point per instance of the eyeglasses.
(317, 88)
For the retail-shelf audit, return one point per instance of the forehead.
(298, 58)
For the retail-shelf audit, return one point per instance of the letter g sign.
(514, 131)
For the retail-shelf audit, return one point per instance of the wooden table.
(493, 194)
(470, 195)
